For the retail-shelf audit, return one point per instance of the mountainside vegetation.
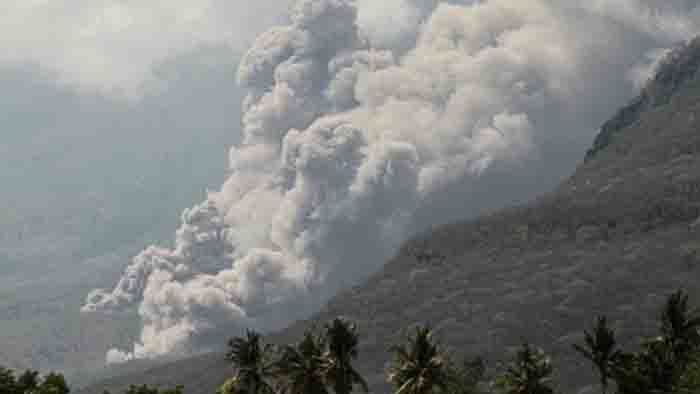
(676, 70)
(612, 240)
(322, 363)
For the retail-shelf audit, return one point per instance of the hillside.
(88, 182)
(615, 238)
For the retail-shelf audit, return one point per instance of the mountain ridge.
(677, 67)
(614, 238)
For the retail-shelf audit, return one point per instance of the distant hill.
(88, 181)
(615, 238)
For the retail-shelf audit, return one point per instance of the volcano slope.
(615, 238)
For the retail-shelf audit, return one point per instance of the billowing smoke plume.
(359, 122)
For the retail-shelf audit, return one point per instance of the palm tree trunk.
(252, 388)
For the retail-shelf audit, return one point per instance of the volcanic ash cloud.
(345, 142)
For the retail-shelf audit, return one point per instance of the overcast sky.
(110, 45)
(83, 83)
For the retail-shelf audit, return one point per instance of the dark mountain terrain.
(615, 238)
(677, 69)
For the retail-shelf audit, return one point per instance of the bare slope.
(615, 238)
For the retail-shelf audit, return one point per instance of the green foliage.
(8, 383)
(466, 378)
(53, 384)
(663, 362)
(317, 362)
(30, 382)
(667, 363)
(600, 349)
(253, 364)
(323, 362)
(529, 373)
(301, 366)
(690, 381)
(421, 366)
(145, 389)
(342, 340)
(680, 328)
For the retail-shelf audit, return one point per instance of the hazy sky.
(83, 83)
(111, 45)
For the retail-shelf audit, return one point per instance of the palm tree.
(529, 373)
(664, 360)
(301, 367)
(253, 363)
(28, 381)
(680, 327)
(467, 377)
(420, 366)
(628, 372)
(690, 381)
(601, 349)
(342, 341)
(664, 363)
(53, 383)
(8, 382)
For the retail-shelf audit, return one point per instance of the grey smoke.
(358, 132)
(111, 46)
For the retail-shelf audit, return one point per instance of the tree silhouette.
(420, 366)
(664, 360)
(529, 373)
(467, 377)
(342, 341)
(28, 381)
(690, 381)
(145, 389)
(680, 327)
(600, 348)
(667, 363)
(301, 367)
(253, 364)
(8, 383)
(53, 384)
